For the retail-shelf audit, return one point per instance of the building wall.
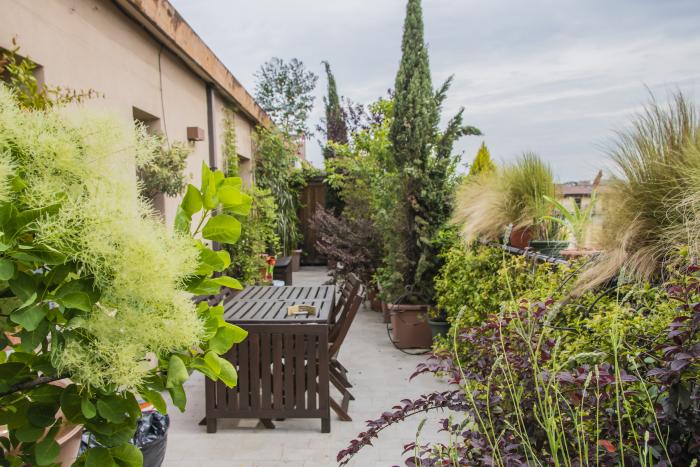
(91, 44)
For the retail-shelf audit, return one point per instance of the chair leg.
(340, 366)
(343, 390)
(267, 423)
(342, 414)
(334, 371)
(347, 397)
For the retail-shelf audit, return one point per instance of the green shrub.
(96, 289)
(275, 160)
(258, 239)
(651, 205)
(164, 172)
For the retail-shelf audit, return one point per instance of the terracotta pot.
(385, 311)
(410, 328)
(375, 303)
(296, 260)
(520, 237)
(68, 439)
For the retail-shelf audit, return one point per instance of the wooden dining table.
(283, 365)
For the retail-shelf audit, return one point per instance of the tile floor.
(379, 373)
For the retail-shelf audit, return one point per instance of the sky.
(555, 77)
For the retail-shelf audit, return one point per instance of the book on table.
(301, 310)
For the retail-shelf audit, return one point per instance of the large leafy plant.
(275, 160)
(95, 293)
(258, 239)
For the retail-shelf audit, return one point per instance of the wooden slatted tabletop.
(268, 305)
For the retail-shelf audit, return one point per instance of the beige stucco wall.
(91, 44)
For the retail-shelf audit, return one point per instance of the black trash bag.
(151, 438)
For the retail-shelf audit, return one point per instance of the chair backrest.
(340, 331)
(350, 288)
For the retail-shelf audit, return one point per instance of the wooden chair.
(350, 287)
(338, 373)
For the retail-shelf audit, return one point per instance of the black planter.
(439, 328)
(551, 248)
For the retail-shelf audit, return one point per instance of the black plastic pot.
(551, 248)
(439, 328)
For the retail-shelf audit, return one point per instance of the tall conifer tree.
(423, 155)
(336, 127)
(336, 132)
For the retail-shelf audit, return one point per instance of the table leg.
(212, 425)
(326, 425)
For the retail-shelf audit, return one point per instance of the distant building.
(576, 192)
(148, 64)
(580, 193)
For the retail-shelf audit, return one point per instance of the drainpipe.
(210, 126)
(212, 146)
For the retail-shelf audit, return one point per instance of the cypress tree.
(336, 132)
(422, 154)
(415, 109)
(482, 161)
(412, 133)
(336, 128)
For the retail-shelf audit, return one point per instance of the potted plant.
(510, 199)
(421, 154)
(552, 241)
(97, 291)
(437, 319)
(576, 220)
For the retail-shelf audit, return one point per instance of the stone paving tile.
(380, 375)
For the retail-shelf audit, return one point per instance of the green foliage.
(228, 146)
(575, 220)
(651, 204)
(478, 280)
(275, 160)
(336, 128)
(258, 239)
(95, 288)
(528, 181)
(482, 161)
(422, 155)
(336, 132)
(164, 172)
(513, 194)
(285, 91)
(363, 175)
(470, 284)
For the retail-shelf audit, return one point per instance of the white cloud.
(552, 76)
